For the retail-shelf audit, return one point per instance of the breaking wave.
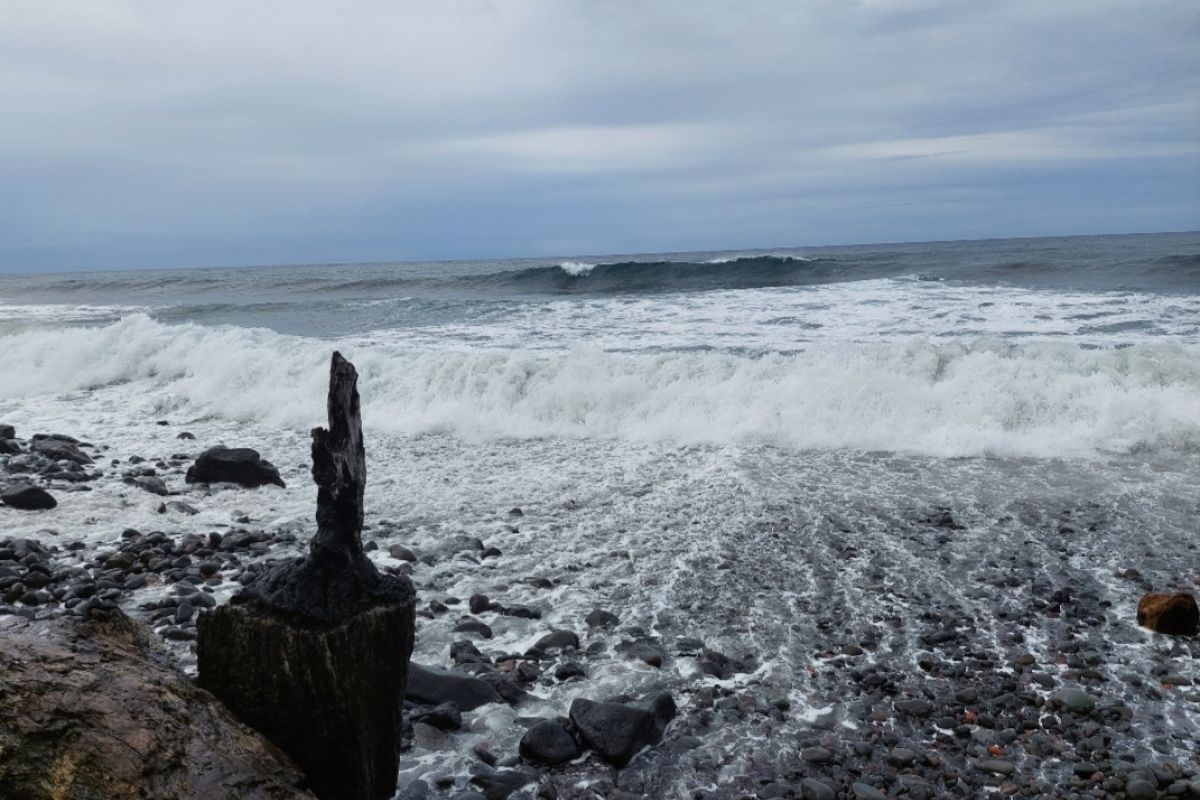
(938, 399)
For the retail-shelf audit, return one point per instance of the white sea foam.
(576, 268)
(945, 399)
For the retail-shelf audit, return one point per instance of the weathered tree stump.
(314, 653)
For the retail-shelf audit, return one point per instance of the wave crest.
(944, 400)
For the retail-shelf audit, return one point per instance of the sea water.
(690, 436)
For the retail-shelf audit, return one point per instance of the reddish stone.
(1174, 614)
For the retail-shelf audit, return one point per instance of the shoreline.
(848, 635)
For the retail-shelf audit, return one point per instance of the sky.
(155, 134)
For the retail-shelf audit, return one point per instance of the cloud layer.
(141, 133)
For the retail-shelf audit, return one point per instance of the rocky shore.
(921, 656)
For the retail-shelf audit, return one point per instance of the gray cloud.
(146, 133)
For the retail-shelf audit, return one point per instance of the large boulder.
(435, 687)
(27, 498)
(1174, 614)
(92, 712)
(240, 465)
(618, 731)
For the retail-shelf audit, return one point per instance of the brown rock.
(1175, 614)
(91, 711)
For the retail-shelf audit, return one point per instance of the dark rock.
(9, 447)
(1176, 615)
(557, 640)
(499, 784)
(813, 789)
(720, 666)
(648, 651)
(179, 507)
(1074, 700)
(8, 432)
(59, 449)
(479, 603)
(186, 435)
(91, 711)
(865, 791)
(402, 553)
(599, 618)
(997, 766)
(480, 751)
(569, 669)
(1139, 789)
(816, 755)
(617, 731)
(548, 742)
(472, 625)
(505, 685)
(520, 612)
(465, 652)
(27, 498)
(445, 717)
(151, 484)
(434, 687)
(916, 708)
(239, 465)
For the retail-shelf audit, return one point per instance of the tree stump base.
(314, 653)
(331, 698)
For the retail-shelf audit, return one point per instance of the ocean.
(782, 453)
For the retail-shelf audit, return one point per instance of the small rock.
(1074, 700)
(472, 625)
(997, 766)
(402, 553)
(240, 465)
(813, 789)
(444, 717)
(27, 498)
(151, 484)
(557, 640)
(599, 618)
(864, 791)
(548, 742)
(1138, 789)
(569, 669)
(499, 784)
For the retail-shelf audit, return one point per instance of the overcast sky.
(154, 133)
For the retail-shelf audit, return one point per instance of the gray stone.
(27, 498)
(864, 791)
(434, 687)
(813, 789)
(1074, 700)
(617, 731)
(548, 742)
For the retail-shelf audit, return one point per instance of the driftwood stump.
(314, 653)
